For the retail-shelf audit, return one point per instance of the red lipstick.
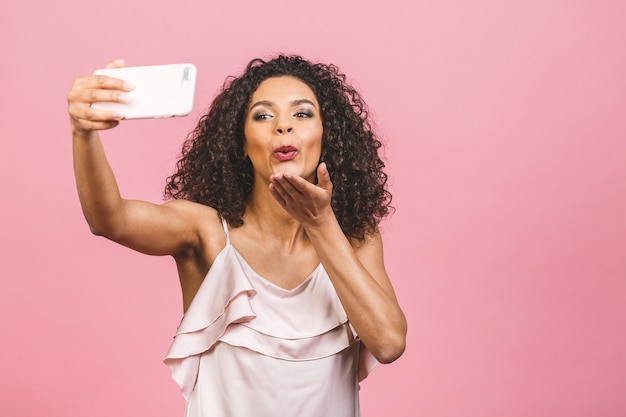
(285, 153)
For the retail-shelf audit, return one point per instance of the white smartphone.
(160, 91)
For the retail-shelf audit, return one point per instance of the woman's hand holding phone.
(116, 92)
(90, 89)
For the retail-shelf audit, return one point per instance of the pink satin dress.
(249, 348)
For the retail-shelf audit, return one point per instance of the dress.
(249, 348)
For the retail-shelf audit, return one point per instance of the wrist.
(323, 224)
(82, 134)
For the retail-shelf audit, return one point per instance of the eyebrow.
(270, 103)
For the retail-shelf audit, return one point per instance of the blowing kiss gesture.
(308, 203)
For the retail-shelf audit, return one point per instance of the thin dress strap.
(225, 226)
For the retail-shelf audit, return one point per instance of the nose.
(283, 126)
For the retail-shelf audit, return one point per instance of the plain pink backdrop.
(505, 125)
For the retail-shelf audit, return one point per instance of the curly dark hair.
(213, 171)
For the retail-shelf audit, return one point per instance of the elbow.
(94, 230)
(92, 223)
(390, 352)
(390, 347)
(394, 344)
(105, 222)
(390, 344)
(104, 229)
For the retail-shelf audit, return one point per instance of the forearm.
(360, 279)
(372, 309)
(95, 182)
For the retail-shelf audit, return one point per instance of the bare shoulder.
(205, 219)
(370, 254)
(372, 243)
(197, 211)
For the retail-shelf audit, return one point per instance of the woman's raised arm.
(165, 229)
(356, 271)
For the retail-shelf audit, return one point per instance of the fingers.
(290, 183)
(293, 185)
(100, 88)
(278, 195)
(291, 190)
(90, 89)
(306, 202)
(118, 63)
(282, 189)
(85, 118)
(323, 177)
(100, 82)
(88, 126)
(86, 91)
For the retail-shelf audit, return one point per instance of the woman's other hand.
(96, 88)
(307, 203)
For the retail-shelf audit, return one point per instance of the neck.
(267, 216)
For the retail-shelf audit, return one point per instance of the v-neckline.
(269, 282)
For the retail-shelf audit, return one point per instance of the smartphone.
(160, 91)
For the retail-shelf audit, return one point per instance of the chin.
(296, 169)
(290, 167)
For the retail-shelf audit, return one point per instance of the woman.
(287, 301)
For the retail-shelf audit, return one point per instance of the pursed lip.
(285, 153)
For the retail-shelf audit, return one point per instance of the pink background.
(506, 131)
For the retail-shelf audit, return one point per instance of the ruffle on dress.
(237, 306)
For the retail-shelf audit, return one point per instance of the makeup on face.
(283, 128)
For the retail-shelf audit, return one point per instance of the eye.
(303, 114)
(261, 116)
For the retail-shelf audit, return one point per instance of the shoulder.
(191, 208)
(205, 220)
(370, 254)
(371, 241)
